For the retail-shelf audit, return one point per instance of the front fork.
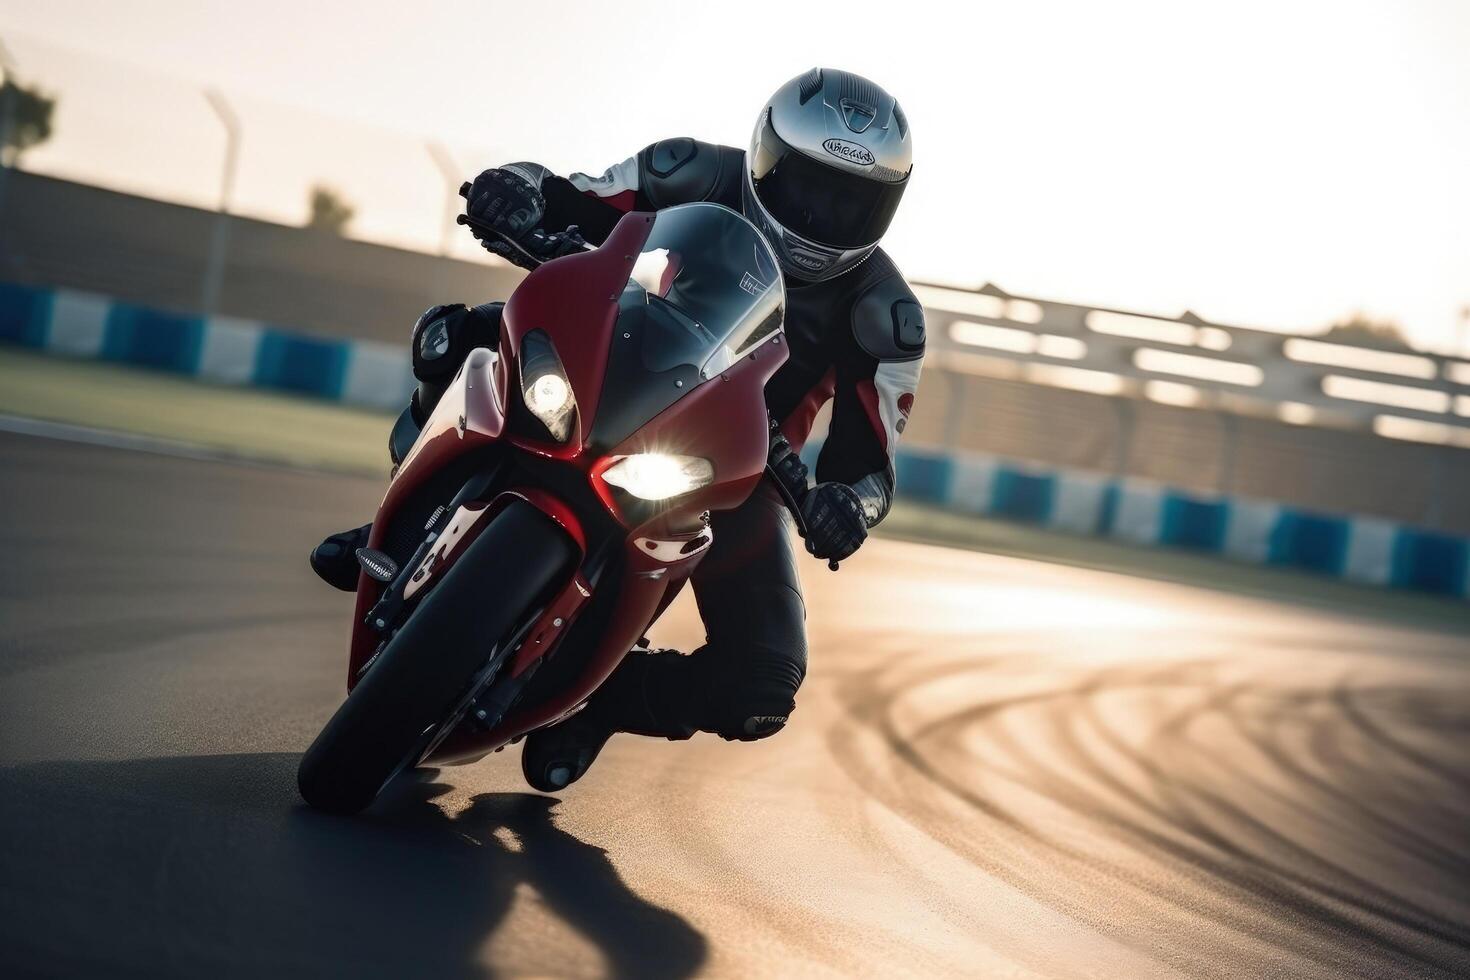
(652, 570)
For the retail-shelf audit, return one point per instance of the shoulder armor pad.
(680, 171)
(888, 322)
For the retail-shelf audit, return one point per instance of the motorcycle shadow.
(182, 866)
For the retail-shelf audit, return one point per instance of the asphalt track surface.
(998, 767)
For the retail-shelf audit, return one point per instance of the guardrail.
(220, 349)
(1359, 549)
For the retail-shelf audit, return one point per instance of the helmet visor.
(826, 205)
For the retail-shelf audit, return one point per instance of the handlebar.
(485, 228)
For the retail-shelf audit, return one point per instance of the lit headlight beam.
(548, 395)
(659, 476)
(549, 398)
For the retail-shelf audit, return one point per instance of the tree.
(25, 119)
(330, 211)
(1362, 331)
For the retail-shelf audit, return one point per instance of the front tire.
(428, 665)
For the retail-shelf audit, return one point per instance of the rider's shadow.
(575, 879)
(210, 865)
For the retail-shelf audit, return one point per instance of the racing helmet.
(828, 162)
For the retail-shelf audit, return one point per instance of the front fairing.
(574, 301)
(717, 412)
(667, 303)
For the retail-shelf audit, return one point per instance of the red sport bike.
(558, 497)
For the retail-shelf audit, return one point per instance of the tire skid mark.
(1201, 847)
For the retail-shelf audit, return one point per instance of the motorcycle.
(558, 496)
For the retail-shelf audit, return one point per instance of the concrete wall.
(59, 234)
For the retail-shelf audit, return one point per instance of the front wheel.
(426, 668)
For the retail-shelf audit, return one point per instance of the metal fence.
(171, 140)
(1191, 362)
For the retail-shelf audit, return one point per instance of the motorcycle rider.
(827, 164)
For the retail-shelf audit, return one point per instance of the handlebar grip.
(485, 228)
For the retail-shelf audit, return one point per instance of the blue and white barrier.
(1361, 549)
(221, 349)
(243, 352)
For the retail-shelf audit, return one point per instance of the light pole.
(1440, 459)
(7, 102)
(219, 240)
(8, 94)
(453, 177)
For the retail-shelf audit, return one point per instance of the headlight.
(548, 396)
(544, 386)
(659, 476)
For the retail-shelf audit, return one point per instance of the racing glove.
(835, 527)
(514, 207)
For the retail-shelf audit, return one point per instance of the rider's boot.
(335, 559)
(554, 758)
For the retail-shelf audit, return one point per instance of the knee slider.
(755, 692)
(444, 336)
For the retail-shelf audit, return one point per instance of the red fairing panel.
(737, 445)
(470, 415)
(575, 300)
(640, 593)
(555, 298)
(723, 420)
(555, 621)
(465, 525)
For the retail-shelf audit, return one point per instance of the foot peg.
(377, 565)
(332, 559)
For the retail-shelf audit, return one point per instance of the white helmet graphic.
(828, 162)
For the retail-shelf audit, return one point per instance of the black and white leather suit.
(856, 340)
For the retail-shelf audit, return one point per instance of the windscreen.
(704, 289)
(706, 283)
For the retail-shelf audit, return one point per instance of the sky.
(1274, 164)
